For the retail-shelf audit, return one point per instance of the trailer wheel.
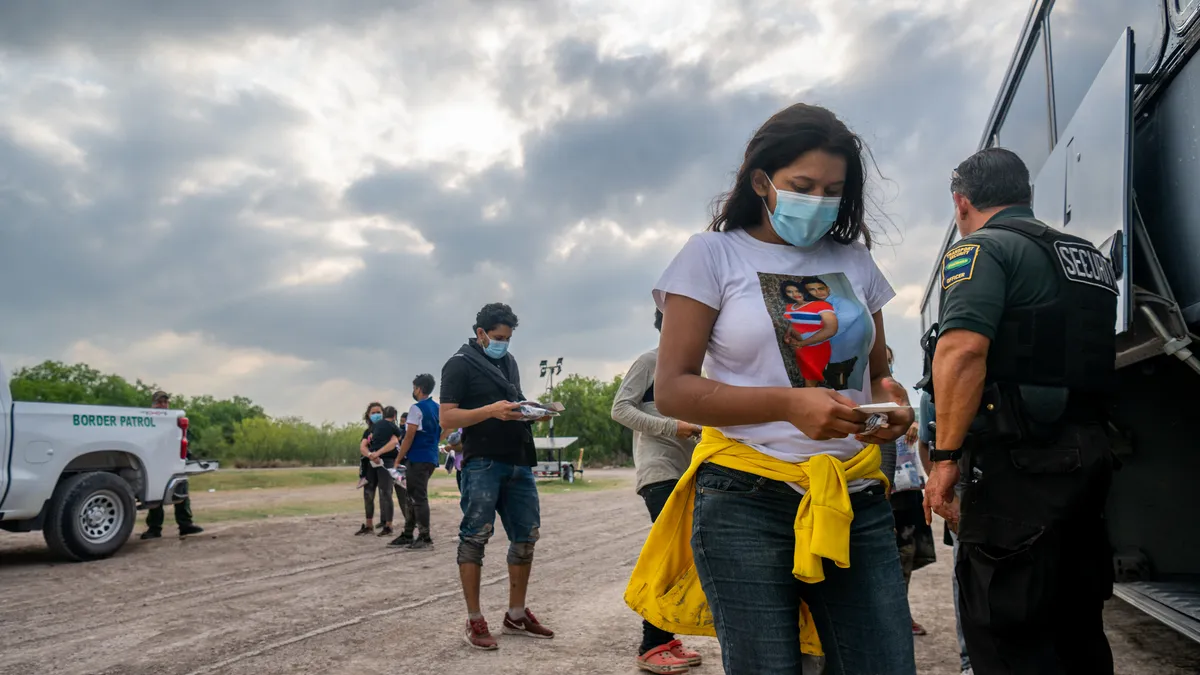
(568, 473)
(90, 516)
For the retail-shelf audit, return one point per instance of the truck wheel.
(90, 516)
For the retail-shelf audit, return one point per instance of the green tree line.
(237, 432)
(587, 413)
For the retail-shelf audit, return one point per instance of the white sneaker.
(967, 671)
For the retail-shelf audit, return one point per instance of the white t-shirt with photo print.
(722, 270)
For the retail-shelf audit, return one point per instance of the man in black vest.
(481, 389)
(1021, 360)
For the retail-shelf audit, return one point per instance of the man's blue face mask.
(496, 349)
(800, 219)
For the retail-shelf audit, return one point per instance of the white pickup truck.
(79, 473)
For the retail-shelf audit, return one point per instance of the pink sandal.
(662, 660)
(692, 657)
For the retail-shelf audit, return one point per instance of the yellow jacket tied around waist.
(664, 588)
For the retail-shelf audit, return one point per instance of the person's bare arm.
(363, 447)
(959, 367)
(408, 441)
(829, 328)
(457, 418)
(626, 409)
(680, 390)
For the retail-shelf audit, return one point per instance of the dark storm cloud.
(113, 26)
(119, 259)
(920, 110)
(113, 261)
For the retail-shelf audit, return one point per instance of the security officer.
(1021, 361)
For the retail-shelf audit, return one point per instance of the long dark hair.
(790, 133)
(787, 299)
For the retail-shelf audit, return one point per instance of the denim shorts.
(490, 487)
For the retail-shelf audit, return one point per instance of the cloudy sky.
(306, 202)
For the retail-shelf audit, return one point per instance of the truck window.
(1026, 126)
(1082, 34)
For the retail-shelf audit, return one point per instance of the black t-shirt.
(381, 433)
(464, 385)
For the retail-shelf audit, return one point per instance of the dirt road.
(301, 595)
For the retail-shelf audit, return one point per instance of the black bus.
(1102, 101)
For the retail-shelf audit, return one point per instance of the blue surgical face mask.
(800, 219)
(375, 417)
(496, 349)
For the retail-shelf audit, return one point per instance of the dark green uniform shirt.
(990, 270)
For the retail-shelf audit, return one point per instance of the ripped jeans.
(488, 488)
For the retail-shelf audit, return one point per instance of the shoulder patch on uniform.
(959, 264)
(1083, 264)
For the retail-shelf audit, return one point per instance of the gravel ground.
(301, 595)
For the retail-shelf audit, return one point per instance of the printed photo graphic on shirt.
(959, 264)
(824, 331)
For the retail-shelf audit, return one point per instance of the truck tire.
(90, 516)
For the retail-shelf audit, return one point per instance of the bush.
(588, 415)
(266, 442)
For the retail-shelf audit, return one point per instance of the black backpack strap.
(489, 369)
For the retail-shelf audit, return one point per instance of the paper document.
(534, 410)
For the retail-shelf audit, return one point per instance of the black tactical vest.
(1070, 341)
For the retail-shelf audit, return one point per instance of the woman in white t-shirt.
(773, 564)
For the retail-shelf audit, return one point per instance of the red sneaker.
(662, 660)
(918, 629)
(527, 626)
(478, 636)
(691, 656)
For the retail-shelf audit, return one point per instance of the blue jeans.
(490, 487)
(744, 547)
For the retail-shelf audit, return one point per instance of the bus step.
(1175, 603)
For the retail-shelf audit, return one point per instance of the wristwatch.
(939, 455)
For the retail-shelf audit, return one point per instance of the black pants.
(183, 515)
(378, 480)
(419, 474)
(655, 495)
(1034, 564)
(405, 504)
